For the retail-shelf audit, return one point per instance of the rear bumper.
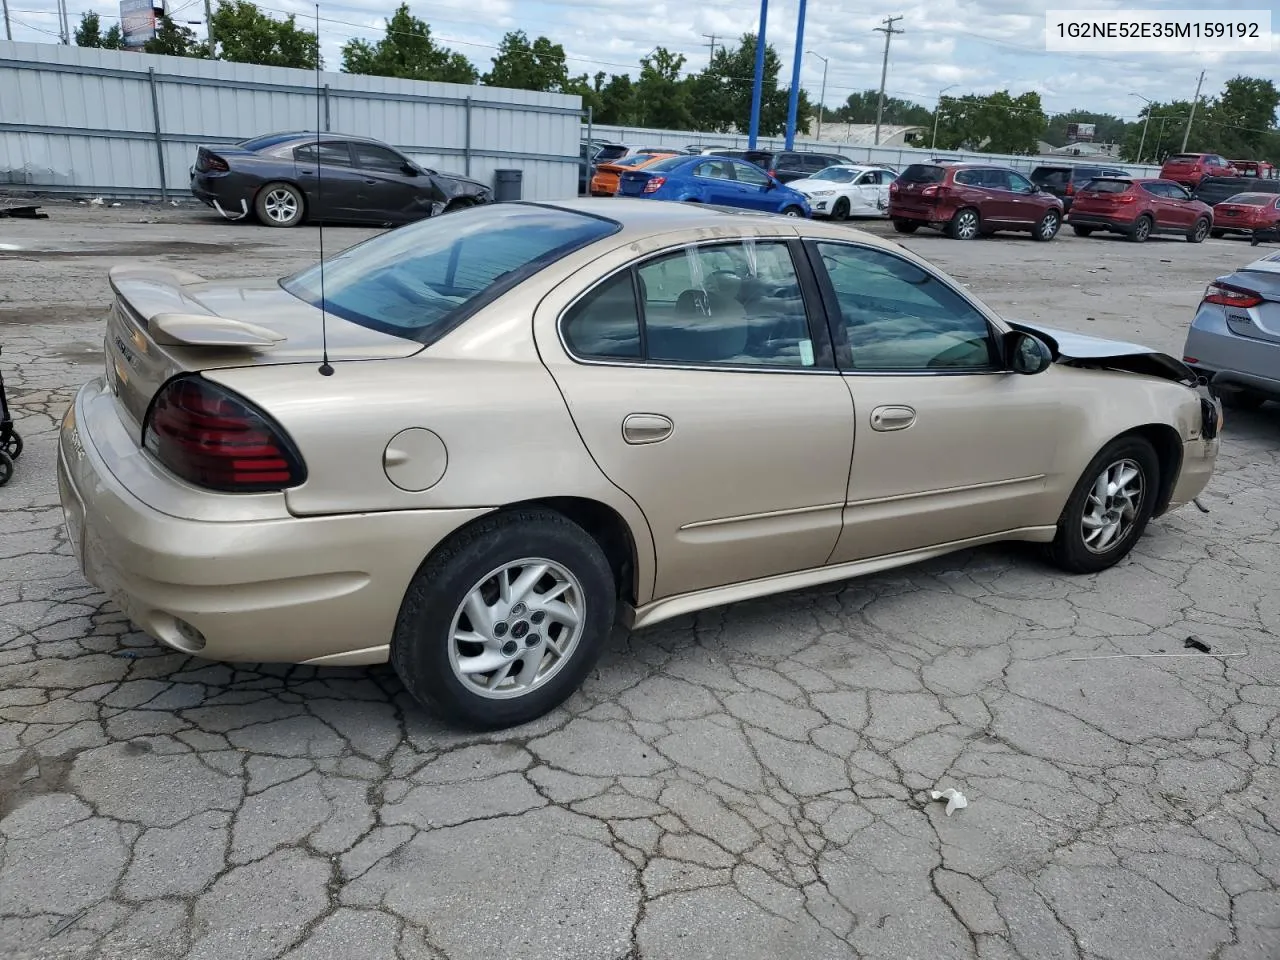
(1099, 222)
(920, 214)
(1233, 360)
(278, 589)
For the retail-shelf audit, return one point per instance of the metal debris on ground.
(1194, 643)
(955, 799)
(21, 208)
(1150, 656)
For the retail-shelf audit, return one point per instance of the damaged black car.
(284, 179)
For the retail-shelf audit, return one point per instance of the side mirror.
(409, 170)
(771, 183)
(1028, 354)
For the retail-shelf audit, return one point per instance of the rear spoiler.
(157, 297)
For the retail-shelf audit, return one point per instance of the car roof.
(653, 217)
(281, 138)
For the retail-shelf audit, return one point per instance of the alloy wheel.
(966, 225)
(1112, 506)
(1049, 226)
(281, 206)
(516, 628)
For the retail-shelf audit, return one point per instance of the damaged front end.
(1081, 350)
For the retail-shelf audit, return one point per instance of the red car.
(1138, 208)
(1190, 168)
(1247, 213)
(967, 199)
(1255, 168)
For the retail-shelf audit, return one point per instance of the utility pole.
(822, 98)
(8, 30)
(1187, 132)
(888, 32)
(66, 30)
(208, 27)
(709, 36)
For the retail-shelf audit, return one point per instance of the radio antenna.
(326, 368)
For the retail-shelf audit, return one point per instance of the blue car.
(709, 179)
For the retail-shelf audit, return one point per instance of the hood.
(461, 184)
(1078, 349)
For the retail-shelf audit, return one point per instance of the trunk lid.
(156, 309)
(632, 182)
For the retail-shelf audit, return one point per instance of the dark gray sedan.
(286, 178)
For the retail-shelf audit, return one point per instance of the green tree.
(174, 40)
(1162, 135)
(662, 97)
(996, 123)
(1110, 129)
(521, 65)
(1243, 117)
(618, 103)
(721, 93)
(861, 108)
(407, 50)
(245, 34)
(89, 33)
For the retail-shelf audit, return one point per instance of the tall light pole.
(888, 32)
(794, 100)
(822, 99)
(1143, 142)
(937, 111)
(757, 84)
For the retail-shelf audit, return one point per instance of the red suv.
(966, 199)
(1190, 168)
(1138, 208)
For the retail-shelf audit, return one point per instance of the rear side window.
(605, 324)
(923, 173)
(330, 154)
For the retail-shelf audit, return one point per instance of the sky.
(976, 45)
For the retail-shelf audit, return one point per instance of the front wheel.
(793, 212)
(279, 205)
(905, 226)
(1109, 508)
(1048, 226)
(964, 225)
(1083, 231)
(6, 468)
(506, 620)
(13, 446)
(1199, 231)
(841, 209)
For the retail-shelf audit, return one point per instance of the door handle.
(371, 181)
(646, 428)
(890, 418)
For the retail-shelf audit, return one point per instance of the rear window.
(1107, 186)
(1251, 199)
(1184, 158)
(632, 161)
(670, 163)
(923, 173)
(611, 152)
(422, 280)
(270, 140)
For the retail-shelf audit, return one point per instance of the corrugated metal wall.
(896, 157)
(83, 121)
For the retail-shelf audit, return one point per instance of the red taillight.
(893, 188)
(215, 162)
(1230, 296)
(1071, 189)
(930, 191)
(212, 438)
(654, 184)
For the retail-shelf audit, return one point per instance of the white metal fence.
(896, 157)
(110, 123)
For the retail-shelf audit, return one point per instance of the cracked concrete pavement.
(749, 782)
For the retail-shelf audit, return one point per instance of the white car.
(844, 191)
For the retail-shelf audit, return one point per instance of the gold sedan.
(536, 420)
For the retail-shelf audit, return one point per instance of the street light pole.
(794, 99)
(757, 85)
(1143, 142)
(937, 111)
(822, 99)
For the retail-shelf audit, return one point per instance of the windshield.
(421, 280)
(836, 175)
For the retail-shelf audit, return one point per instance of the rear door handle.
(646, 428)
(892, 417)
(371, 181)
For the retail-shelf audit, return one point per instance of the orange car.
(604, 183)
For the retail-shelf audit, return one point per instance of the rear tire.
(517, 633)
(6, 468)
(1103, 519)
(1199, 231)
(13, 446)
(1217, 234)
(1083, 231)
(1240, 399)
(905, 226)
(965, 225)
(279, 205)
(1141, 229)
(1048, 226)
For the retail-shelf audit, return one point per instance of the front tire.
(279, 205)
(1048, 226)
(905, 226)
(1109, 508)
(1241, 399)
(504, 622)
(965, 225)
(793, 212)
(841, 209)
(1199, 231)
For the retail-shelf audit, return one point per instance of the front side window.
(899, 318)
(733, 304)
(419, 281)
(1018, 183)
(752, 176)
(715, 170)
